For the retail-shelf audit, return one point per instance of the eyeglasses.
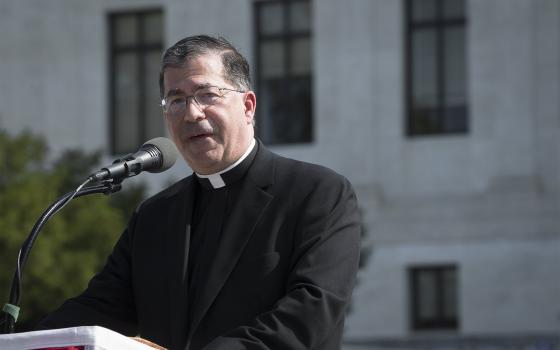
(176, 106)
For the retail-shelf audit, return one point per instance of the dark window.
(136, 43)
(284, 79)
(436, 67)
(433, 297)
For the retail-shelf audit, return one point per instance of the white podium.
(86, 338)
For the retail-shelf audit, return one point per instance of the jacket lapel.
(237, 230)
(177, 238)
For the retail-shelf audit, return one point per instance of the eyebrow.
(174, 92)
(177, 91)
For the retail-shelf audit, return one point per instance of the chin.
(204, 163)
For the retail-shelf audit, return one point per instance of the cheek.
(174, 128)
(175, 135)
(168, 124)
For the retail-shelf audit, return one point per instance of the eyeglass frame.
(192, 97)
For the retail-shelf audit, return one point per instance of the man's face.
(213, 138)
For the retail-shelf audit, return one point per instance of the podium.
(74, 338)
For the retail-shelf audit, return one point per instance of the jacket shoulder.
(304, 172)
(164, 195)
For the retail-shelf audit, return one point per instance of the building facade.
(444, 114)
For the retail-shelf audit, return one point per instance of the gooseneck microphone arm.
(10, 310)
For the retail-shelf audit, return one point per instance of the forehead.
(205, 69)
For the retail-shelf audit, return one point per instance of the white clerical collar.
(216, 179)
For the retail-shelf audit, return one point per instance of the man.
(253, 251)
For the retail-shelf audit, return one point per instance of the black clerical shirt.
(213, 203)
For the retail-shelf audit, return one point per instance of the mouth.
(199, 136)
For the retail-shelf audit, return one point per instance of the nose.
(193, 112)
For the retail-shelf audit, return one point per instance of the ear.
(250, 104)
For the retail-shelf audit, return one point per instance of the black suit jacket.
(281, 278)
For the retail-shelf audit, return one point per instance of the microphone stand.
(10, 310)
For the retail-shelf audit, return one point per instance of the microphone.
(154, 156)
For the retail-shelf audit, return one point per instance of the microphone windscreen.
(168, 152)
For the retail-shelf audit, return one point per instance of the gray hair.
(236, 68)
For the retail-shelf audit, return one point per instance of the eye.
(207, 96)
(211, 93)
(175, 101)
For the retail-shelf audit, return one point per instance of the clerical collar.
(232, 173)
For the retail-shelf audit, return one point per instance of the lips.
(198, 136)
(193, 135)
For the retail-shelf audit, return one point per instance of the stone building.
(444, 114)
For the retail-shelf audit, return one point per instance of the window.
(284, 80)
(436, 67)
(433, 297)
(136, 44)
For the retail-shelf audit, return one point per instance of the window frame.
(439, 24)
(440, 321)
(286, 37)
(140, 50)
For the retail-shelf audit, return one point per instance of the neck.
(248, 149)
